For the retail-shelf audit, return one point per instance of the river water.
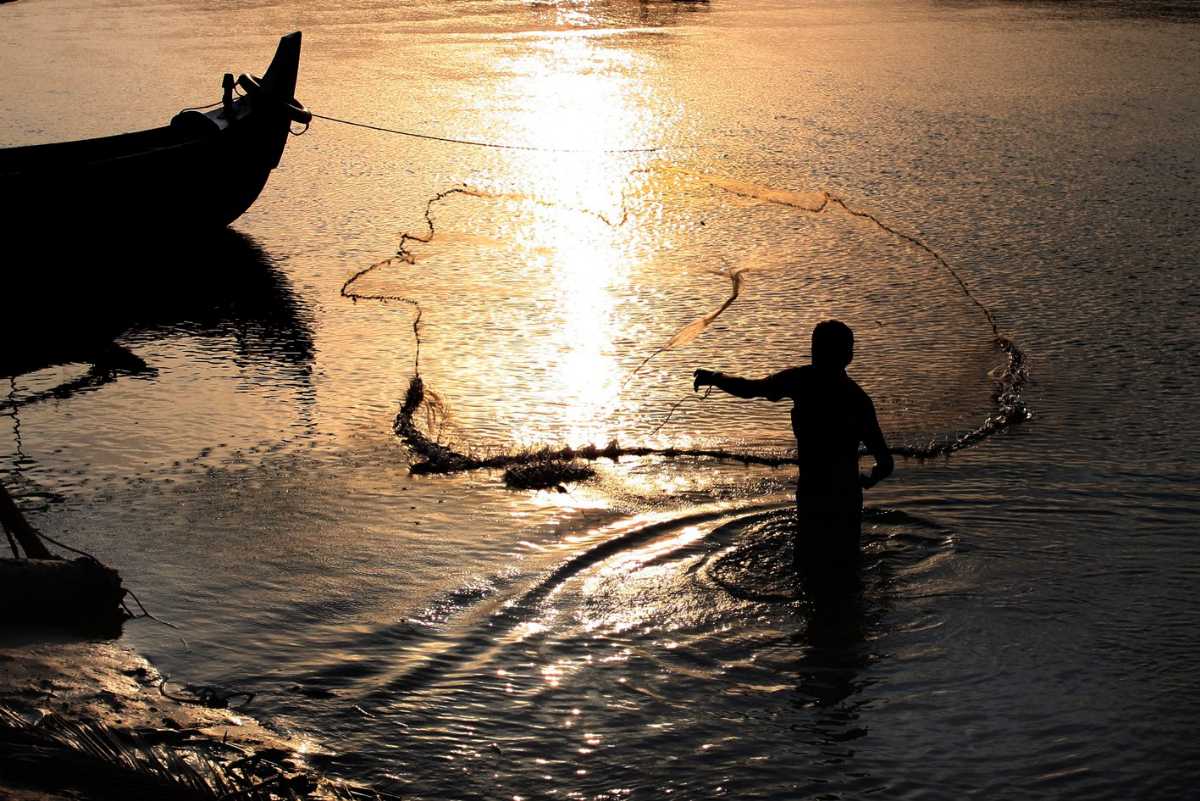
(1027, 622)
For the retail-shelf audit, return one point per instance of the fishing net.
(586, 321)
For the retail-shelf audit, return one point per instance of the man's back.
(831, 415)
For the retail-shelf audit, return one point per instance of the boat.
(197, 174)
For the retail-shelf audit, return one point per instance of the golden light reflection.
(552, 674)
(583, 377)
(624, 565)
(582, 95)
(629, 561)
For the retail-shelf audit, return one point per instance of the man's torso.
(830, 416)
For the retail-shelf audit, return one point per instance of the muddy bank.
(65, 684)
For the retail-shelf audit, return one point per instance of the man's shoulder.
(853, 385)
(795, 372)
(858, 393)
(792, 377)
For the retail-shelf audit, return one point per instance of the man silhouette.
(831, 415)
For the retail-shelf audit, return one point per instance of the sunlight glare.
(579, 95)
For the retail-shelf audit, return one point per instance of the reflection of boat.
(200, 172)
(230, 288)
(221, 285)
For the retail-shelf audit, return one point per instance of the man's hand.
(703, 378)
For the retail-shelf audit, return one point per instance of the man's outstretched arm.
(772, 387)
(878, 447)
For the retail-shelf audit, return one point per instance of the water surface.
(1025, 626)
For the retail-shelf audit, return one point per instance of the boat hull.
(199, 173)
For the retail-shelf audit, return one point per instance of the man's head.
(832, 344)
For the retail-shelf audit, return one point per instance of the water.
(1027, 617)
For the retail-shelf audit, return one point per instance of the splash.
(435, 456)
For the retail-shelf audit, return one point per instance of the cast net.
(555, 330)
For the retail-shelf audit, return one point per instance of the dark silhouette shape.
(199, 173)
(222, 284)
(831, 415)
(18, 529)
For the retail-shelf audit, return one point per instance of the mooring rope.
(479, 143)
(454, 141)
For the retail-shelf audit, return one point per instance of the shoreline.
(102, 684)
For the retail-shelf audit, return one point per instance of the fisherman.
(831, 415)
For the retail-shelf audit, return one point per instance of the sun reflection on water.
(578, 94)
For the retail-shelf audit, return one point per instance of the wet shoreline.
(59, 682)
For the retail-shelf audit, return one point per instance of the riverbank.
(71, 700)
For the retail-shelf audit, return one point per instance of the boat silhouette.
(199, 173)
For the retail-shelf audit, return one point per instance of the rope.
(476, 143)
(66, 547)
(125, 591)
(448, 139)
(676, 405)
(201, 108)
(145, 613)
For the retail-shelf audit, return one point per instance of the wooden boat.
(198, 173)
